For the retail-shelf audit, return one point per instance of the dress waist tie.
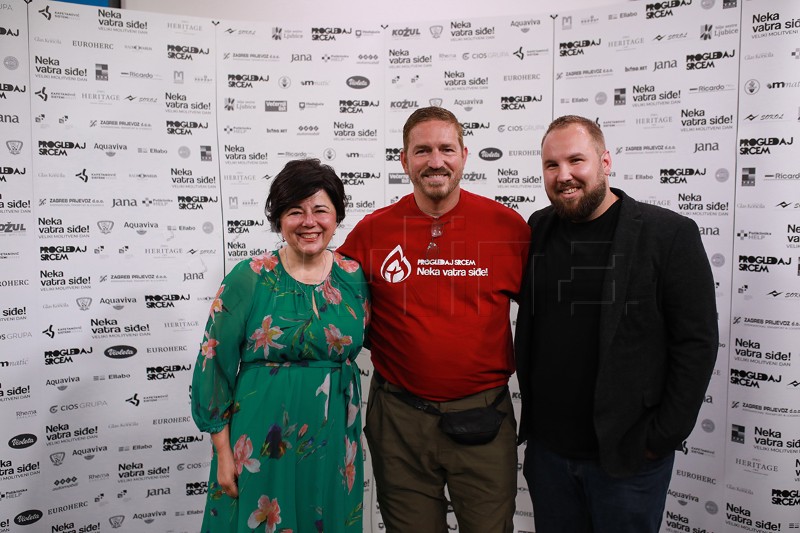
(349, 385)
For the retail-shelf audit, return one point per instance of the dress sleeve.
(352, 277)
(217, 363)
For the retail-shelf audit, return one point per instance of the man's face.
(575, 175)
(434, 160)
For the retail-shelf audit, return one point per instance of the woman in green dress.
(276, 383)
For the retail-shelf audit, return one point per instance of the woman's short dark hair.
(298, 180)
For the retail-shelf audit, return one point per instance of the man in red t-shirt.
(442, 264)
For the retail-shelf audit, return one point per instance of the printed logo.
(490, 154)
(22, 441)
(395, 268)
(357, 82)
(28, 517)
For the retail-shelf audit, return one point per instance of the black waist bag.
(479, 425)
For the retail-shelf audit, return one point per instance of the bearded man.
(616, 341)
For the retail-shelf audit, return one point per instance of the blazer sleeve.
(690, 315)
(523, 343)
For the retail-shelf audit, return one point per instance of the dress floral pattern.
(277, 363)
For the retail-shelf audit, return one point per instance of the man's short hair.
(591, 127)
(424, 114)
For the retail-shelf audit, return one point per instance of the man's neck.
(437, 208)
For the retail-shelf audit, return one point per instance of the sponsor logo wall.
(139, 177)
(762, 445)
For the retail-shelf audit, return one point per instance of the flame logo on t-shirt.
(395, 267)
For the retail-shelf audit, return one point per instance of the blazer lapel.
(615, 283)
(541, 228)
(540, 223)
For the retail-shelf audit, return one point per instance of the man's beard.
(439, 193)
(582, 209)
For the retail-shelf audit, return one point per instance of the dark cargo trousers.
(413, 460)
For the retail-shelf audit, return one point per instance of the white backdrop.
(136, 153)
(357, 12)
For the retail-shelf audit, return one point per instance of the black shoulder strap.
(418, 403)
(500, 397)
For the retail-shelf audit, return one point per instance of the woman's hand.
(226, 466)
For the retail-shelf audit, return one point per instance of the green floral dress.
(277, 363)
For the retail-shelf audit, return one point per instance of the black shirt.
(567, 286)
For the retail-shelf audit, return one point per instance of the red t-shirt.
(440, 327)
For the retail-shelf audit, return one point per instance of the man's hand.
(650, 456)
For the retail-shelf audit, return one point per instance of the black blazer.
(658, 341)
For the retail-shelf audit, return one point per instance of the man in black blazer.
(616, 341)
